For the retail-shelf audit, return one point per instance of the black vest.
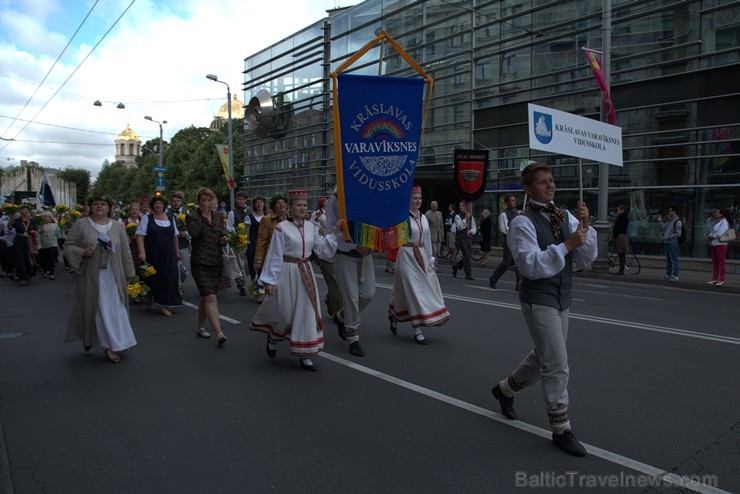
(554, 291)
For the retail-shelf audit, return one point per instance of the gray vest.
(554, 291)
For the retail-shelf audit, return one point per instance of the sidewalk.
(693, 279)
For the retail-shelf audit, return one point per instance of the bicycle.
(475, 252)
(631, 262)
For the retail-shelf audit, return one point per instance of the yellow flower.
(181, 216)
(131, 228)
(150, 271)
(134, 290)
(75, 213)
(242, 226)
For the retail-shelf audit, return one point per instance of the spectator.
(672, 228)
(719, 248)
(621, 239)
(436, 227)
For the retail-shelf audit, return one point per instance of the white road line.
(604, 320)
(663, 475)
(220, 316)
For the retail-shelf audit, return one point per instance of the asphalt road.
(654, 390)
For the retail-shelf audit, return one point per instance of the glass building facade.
(675, 68)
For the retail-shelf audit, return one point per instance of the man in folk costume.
(545, 241)
(504, 220)
(436, 227)
(464, 228)
(355, 277)
(333, 298)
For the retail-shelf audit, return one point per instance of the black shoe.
(491, 283)
(394, 325)
(243, 292)
(454, 272)
(469, 277)
(309, 367)
(567, 442)
(270, 353)
(419, 338)
(507, 404)
(356, 349)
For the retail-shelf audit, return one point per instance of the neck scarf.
(556, 217)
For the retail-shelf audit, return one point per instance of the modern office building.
(675, 67)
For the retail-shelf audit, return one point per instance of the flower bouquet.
(181, 222)
(61, 208)
(69, 219)
(146, 270)
(238, 239)
(253, 289)
(137, 288)
(11, 209)
(131, 228)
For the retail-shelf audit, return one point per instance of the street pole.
(160, 145)
(231, 147)
(601, 264)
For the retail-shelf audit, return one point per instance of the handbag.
(231, 265)
(183, 271)
(728, 236)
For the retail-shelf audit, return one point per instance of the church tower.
(128, 147)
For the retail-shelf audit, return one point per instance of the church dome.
(128, 135)
(237, 110)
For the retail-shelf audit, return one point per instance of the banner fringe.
(378, 239)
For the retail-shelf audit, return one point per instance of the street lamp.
(231, 142)
(160, 136)
(120, 106)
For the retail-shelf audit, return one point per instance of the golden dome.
(128, 135)
(237, 110)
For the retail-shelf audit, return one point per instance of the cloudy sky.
(154, 61)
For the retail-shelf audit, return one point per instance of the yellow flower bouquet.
(146, 270)
(238, 240)
(131, 228)
(137, 288)
(180, 222)
(61, 208)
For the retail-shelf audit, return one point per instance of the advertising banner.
(560, 132)
(223, 153)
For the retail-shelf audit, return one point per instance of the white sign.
(564, 133)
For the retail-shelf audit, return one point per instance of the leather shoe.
(356, 349)
(394, 325)
(309, 367)
(507, 404)
(272, 353)
(454, 272)
(469, 278)
(567, 442)
(419, 338)
(491, 283)
(341, 330)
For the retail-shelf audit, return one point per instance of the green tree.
(115, 180)
(81, 178)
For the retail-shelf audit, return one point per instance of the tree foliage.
(191, 161)
(81, 178)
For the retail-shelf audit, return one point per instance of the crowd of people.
(143, 252)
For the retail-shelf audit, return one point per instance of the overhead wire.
(72, 74)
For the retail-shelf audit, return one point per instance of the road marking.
(665, 476)
(605, 320)
(220, 316)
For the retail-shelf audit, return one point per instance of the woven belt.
(295, 259)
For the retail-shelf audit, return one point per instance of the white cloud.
(154, 61)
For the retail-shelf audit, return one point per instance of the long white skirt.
(111, 319)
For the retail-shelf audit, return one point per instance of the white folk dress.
(293, 313)
(416, 296)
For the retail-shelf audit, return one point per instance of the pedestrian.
(464, 228)
(436, 227)
(451, 242)
(291, 309)
(253, 220)
(355, 279)
(98, 254)
(49, 235)
(278, 213)
(26, 233)
(621, 239)
(719, 248)
(544, 242)
(236, 217)
(504, 220)
(333, 299)
(672, 229)
(157, 239)
(416, 296)
(485, 236)
(6, 246)
(179, 213)
(206, 260)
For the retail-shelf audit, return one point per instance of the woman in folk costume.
(291, 309)
(98, 253)
(416, 295)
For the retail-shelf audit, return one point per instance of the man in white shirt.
(545, 241)
(464, 227)
(503, 226)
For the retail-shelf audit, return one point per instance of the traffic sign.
(160, 169)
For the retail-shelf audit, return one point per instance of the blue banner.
(380, 124)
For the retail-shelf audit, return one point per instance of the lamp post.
(231, 142)
(160, 136)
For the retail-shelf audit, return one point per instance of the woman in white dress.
(416, 296)
(291, 309)
(98, 253)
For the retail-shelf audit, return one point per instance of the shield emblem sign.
(471, 167)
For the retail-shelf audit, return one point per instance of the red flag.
(594, 59)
